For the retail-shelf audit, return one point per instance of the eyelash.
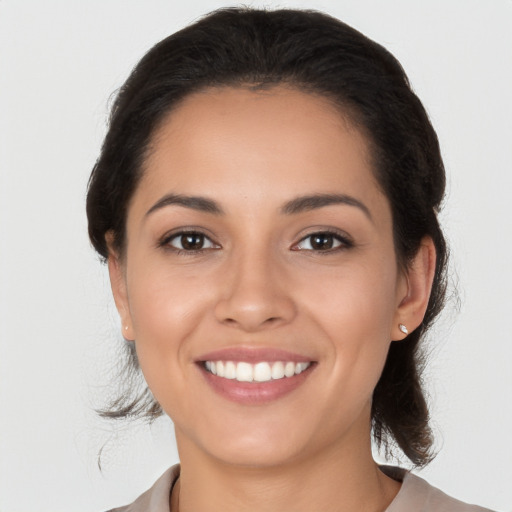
(165, 242)
(344, 242)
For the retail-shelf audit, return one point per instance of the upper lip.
(253, 355)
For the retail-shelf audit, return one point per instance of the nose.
(255, 295)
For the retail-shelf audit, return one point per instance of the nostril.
(252, 324)
(251, 308)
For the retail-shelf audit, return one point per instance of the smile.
(260, 372)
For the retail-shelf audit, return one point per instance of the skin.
(258, 283)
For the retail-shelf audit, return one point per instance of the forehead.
(273, 143)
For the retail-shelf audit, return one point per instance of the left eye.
(191, 242)
(321, 242)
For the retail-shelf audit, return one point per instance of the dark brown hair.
(315, 53)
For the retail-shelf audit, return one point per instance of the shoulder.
(155, 499)
(417, 494)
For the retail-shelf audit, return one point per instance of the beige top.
(415, 495)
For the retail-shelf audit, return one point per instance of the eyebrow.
(292, 207)
(201, 204)
(312, 202)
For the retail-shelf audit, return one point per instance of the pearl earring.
(403, 328)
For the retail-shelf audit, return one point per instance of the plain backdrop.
(60, 62)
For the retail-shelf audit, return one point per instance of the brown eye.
(191, 242)
(322, 241)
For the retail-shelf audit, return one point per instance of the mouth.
(254, 376)
(263, 371)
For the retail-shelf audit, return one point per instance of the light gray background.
(59, 63)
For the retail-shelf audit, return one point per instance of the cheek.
(356, 299)
(355, 310)
(164, 300)
(165, 310)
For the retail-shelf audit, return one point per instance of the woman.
(266, 199)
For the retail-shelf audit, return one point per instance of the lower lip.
(253, 393)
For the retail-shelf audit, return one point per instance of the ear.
(418, 277)
(119, 289)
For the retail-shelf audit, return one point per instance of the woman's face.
(259, 246)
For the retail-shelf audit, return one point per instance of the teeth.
(259, 372)
(262, 372)
(278, 370)
(289, 369)
(300, 367)
(220, 369)
(244, 372)
(230, 370)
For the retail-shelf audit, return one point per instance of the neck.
(334, 480)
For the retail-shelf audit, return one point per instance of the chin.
(259, 446)
(257, 455)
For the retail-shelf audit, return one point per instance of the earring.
(403, 328)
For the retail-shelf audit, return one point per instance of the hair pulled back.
(314, 53)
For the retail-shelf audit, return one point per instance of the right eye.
(190, 242)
